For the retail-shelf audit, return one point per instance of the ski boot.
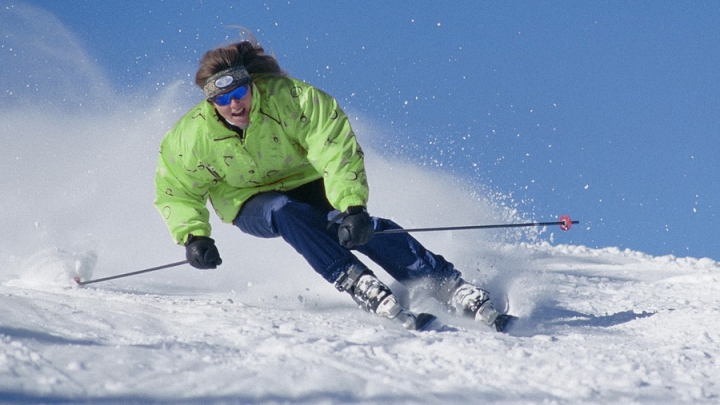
(374, 296)
(474, 302)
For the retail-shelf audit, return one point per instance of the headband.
(224, 80)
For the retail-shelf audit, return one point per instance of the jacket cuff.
(355, 209)
(182, 238)
(351, 201)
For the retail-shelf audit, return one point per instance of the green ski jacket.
(296, 134)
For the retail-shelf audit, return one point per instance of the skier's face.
(237, 111)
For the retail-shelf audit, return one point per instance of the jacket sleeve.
(181, 191)
(333, 149)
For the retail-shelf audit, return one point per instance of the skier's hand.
(356, 228)
(201, 252)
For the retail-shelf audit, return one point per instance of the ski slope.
(600, 326)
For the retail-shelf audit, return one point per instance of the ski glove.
(202, 253)
(356, 227)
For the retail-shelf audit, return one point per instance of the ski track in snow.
(600, 326)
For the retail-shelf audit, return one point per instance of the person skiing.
(277, 157)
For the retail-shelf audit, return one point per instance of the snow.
(600, 326)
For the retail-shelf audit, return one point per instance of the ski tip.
(77, 281)
(431, 323)
(424, 322)
(504, 322)
(418, 322)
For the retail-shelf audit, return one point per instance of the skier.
(277, 157)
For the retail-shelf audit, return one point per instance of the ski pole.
(564, 222)
(165, 266)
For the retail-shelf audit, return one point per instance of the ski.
(504, 322)
(418, 322)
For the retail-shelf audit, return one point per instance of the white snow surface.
(599, 326)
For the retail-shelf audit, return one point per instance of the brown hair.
(248, 53)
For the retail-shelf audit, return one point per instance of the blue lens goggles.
(225, 99)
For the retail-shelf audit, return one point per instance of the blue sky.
(606, 111)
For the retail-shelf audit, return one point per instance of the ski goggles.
(225, 99)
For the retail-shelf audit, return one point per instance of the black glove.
(201, 252)
(356, 227)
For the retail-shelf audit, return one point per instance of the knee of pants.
(256, 216)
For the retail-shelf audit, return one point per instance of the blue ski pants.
(302, 222)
